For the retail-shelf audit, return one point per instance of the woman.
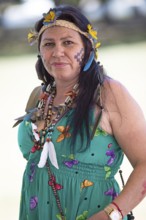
(75, 134)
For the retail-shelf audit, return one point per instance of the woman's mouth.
(59, 64)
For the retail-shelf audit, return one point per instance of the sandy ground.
(125, 63)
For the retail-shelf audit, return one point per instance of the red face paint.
(144, 189)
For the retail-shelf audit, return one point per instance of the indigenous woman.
(78, 126)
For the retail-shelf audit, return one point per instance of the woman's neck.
(61, 92)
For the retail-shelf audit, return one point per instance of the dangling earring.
(89, 62)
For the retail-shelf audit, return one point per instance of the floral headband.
(51, 20)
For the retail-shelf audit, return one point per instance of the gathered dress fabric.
(85, 181)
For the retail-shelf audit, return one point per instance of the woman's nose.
(58, 51)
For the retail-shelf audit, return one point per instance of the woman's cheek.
(79, 56)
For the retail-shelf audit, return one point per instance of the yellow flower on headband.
(92, 32)
(31, 37)
(97, 45)
(49, 17)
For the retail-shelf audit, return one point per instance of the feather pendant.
(48, 151)
(89, 62)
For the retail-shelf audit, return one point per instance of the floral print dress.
(84, 181)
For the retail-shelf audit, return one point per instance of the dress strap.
(98, 119)
(98, 101)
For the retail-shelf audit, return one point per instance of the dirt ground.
(125, 63)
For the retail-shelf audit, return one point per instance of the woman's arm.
(129, 128)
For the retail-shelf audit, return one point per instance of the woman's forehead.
(60, 32)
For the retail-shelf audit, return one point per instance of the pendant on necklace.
(48, 151)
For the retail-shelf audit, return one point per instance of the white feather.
(52, 155)
(48, 151)
(34, 127)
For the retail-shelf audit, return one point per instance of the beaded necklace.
(45, 110)
(42, 139)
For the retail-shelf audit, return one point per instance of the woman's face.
(62, 52)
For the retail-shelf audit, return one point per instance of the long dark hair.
(88, 80)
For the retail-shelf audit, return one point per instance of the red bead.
(48, 139)
(33, 149)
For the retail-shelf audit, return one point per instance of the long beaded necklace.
(45, 112)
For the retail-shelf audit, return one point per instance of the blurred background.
(121, 26)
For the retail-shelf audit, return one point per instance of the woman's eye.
(49, 44)
(68, 42)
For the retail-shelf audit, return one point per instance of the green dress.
(84, 181)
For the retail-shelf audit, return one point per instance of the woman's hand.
(99, 216)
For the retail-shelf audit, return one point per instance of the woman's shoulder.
(122, 107)
(116, 95)
(119, 103)
(112, 86)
